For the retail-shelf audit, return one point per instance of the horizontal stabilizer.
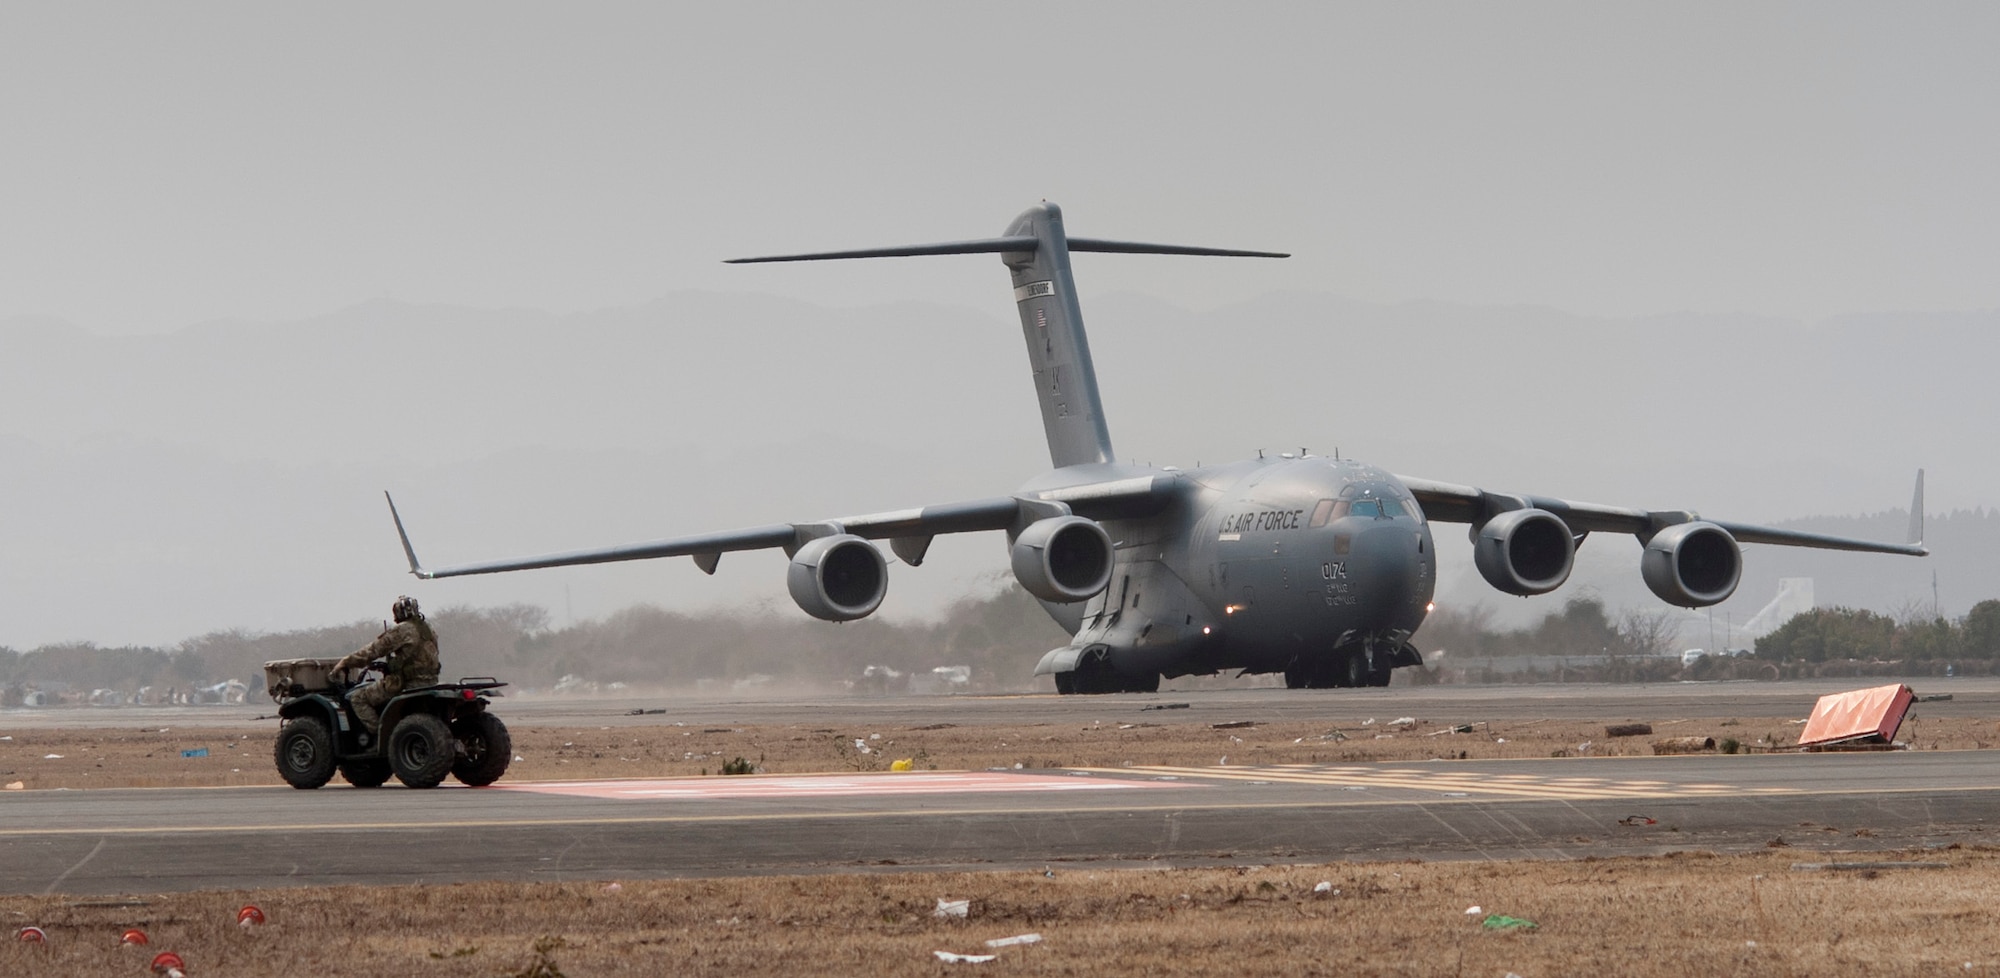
(1141, 248)
(984, 246)
(1023, 244)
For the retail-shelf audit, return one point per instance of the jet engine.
(838, 578)
(1063, 559)
(1524, 551)
(1693, 565)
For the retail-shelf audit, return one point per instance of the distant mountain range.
(229, 474)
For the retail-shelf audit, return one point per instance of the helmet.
(405, 608)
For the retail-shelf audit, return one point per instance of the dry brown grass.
(102, 758)
(1674, 916)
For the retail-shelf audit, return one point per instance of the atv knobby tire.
(365, 774)
(421, 750)
(304, 752)
(487, 749)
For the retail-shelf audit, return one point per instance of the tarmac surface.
(154, 840)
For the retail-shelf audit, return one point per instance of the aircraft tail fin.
(1036, 251)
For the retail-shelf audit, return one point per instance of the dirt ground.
(42, 758)
(1672, 917)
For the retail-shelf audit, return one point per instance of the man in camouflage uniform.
(409, 654)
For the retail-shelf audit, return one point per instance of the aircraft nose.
(1382, 563)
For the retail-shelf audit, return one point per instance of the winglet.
(1917, 513)
(408, 551)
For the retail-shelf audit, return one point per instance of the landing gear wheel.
(487, 749)
(1381, 676)
(304, 752)
(1066, 683)
(1356, 670)
(365, 774)
(421, 750)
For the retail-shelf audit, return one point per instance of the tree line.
(1000, 636)
(1830, 634)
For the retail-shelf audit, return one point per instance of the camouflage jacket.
(411, 650)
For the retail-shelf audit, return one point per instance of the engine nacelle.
(1524, 551)
(1063, 559)
(1693, 565)
(838, 578)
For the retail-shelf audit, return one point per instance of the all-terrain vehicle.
(432, 730)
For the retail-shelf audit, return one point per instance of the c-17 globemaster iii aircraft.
(1319, 568)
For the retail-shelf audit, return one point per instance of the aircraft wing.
(1466, 504)
(909, 531)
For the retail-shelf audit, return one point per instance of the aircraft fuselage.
(1315, 567)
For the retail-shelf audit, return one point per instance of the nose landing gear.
(1365, 661)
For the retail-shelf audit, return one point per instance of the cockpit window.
(1372, 502)
(1322, 512)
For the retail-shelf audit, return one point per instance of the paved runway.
(153, 840)
(1971, 696)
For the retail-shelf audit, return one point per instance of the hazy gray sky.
(284, 165)
(172, 163)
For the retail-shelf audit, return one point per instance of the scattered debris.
(1503, 922)
(196, 752)
(643, 712)
(16, 785)
(1628, 730)
(1474, 911)
(1165, 706)
(1638, 820)
(1864, 867)
(905, 764)
(1461, 728)
(1016, 939)
(949, 958)
(613, 887)
(52, 757)
(1862, 716)
(947, 909)
(1325, 886)
(1233, 725)
(1935, 698)
(1403, 722)
(1684, 745)
(945, 726)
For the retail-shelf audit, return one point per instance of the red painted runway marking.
(826, 785)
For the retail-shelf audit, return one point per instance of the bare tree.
(1649, 631)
